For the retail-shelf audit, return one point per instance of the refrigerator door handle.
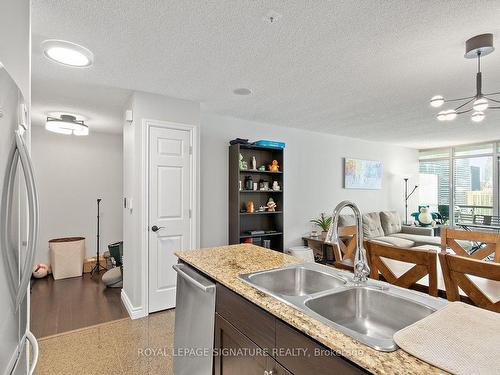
(34, 351)
(29, 177)
(6, 209)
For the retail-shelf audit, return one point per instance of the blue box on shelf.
(267, 143)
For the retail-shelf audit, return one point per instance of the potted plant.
(324, 223)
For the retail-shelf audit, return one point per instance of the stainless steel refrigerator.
(18, 232)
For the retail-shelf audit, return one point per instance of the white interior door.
(170, 201)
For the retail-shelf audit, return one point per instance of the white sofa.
(386, 227)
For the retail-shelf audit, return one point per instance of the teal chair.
(113, 278)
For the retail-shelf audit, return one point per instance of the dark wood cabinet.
(249, 340)
(235, 353)
(251, 320)
(309, 357)
(277, 369)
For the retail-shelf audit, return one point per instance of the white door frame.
(195, 192)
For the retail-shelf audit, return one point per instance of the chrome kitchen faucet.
(361, 268)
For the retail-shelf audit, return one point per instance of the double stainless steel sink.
(371, 313)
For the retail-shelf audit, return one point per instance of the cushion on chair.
(391, 222)
(113, 278)
(372, 226)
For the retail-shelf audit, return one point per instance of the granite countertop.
(225, 263)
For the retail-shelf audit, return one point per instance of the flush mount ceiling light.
(67, 125)
(480, 45)
(67, 53)
(242, 91)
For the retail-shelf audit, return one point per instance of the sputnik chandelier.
(476, 47)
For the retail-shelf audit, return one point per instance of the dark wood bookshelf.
(262, 213)
(243, 171)
(240, 223)
(261, 235)
(262, 191)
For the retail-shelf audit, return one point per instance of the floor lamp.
(97, 267)
(407, 196)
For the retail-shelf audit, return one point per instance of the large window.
(434, 189)
(472, 187)
(460, 182)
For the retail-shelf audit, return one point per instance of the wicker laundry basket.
(66, 256)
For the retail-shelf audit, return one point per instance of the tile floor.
(125, 346)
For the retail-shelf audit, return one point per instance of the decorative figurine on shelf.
(254, 163)
(262, 209)
(248, 183)
(241, 162)
(274, 167)
(250, 207)
(276, 186)
(263, 185)
(271, 206)
(262, 168)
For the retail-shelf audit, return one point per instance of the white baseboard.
(133, 312)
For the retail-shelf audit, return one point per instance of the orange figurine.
(274, 167)
(250, 207)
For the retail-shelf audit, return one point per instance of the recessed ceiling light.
(66, 125)
(242, 91)
(67, 53)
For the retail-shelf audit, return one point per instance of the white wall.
(15, 42)
(153, 107)
(313, 178)
(72, 172)
(313, 174)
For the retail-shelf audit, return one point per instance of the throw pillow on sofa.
(347, 220)
(372, 227)
(391, 222)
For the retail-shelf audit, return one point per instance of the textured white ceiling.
(363, 69)
(100, 107)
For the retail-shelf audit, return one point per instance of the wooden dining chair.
(424, 261)
(345, 252)
(455, 271)
(490, 243)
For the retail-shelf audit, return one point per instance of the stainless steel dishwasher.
(194, 322)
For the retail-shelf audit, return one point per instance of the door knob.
(155, 228)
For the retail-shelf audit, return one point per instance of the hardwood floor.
(64, 305)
